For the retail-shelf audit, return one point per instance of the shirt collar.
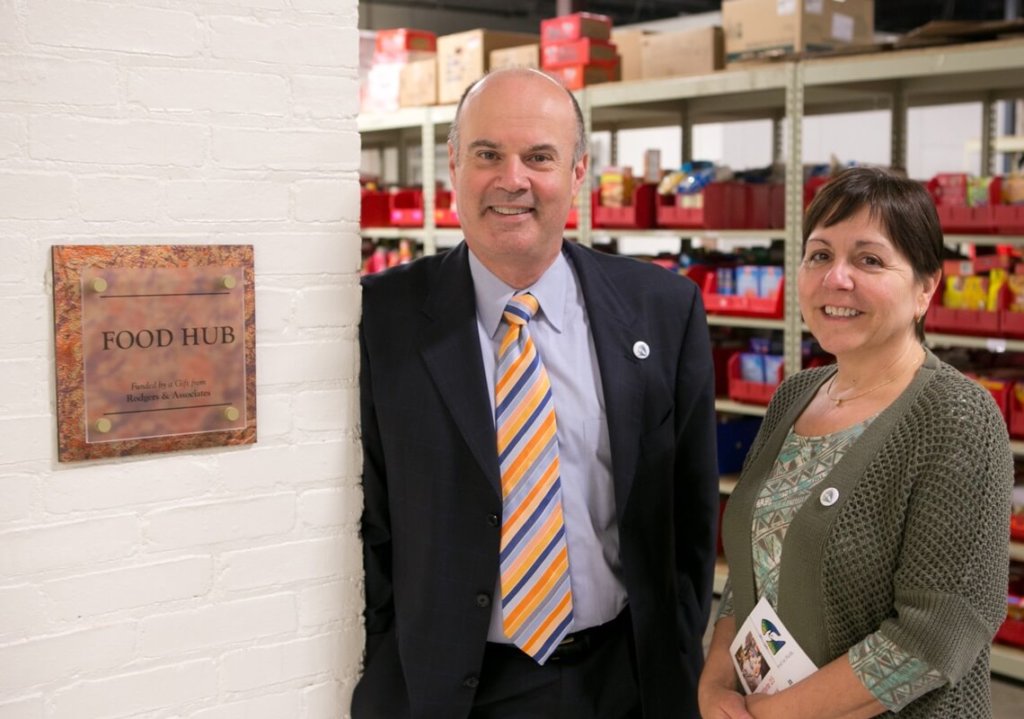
(492, 294)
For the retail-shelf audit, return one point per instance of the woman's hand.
(717, 692)
(722, 703)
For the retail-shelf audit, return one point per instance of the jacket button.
(493, 520)
(483, 600)
(471, 682)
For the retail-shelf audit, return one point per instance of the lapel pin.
(641, 350)
(829, 497)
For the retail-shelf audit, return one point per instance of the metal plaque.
(155, 348)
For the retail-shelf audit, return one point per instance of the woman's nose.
(839, 277)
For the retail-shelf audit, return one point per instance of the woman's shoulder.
(948, 384)
(800, 382)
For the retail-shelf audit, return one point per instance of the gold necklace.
(838, 401)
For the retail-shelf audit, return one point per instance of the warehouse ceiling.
(895, 16)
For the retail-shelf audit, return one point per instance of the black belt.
(577, 644)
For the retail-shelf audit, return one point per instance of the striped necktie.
(536, 601)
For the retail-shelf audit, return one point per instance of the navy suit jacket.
(431, 521)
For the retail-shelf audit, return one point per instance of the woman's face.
(857, 292)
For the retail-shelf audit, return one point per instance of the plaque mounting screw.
(99, 285)
(231, 414)
(228, 281)
(103, 424)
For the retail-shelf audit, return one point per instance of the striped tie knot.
(521, 309)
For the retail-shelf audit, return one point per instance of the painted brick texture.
(223, 583)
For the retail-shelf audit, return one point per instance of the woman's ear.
(928, 287)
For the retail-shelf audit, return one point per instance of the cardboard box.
(689, 52)
(393, 45)
(756, 28)
(464, 57)
(572, 27)
(383, 82)
(585, 51)
(519, 56)
(417, 83)
(575, 77)
(630, 45)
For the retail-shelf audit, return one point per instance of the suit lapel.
(450, 347)
(613, 327)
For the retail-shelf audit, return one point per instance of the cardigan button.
(829, 497)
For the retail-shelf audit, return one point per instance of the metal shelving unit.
(784, 92)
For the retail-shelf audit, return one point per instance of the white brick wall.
(222, 583)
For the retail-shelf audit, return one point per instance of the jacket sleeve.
(950, 584)
(696, 498)
(376, 521)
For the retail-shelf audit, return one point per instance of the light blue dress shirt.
(561, 333)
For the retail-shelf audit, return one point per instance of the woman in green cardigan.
(873, 508)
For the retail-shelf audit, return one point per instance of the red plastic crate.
(374, 209)
(1015, 410)
(639, 215)
(394, 44)
(741, 305)
(585, 51)
(811, 187)
(765, 206)
(749, 392)
(1012, 629)
(1011, 324)
(723, 206)
(978, 220)
(444, 214)
(1008, 219)
(574, 26)
(1001, 391)
(406, 208)
(962, 322)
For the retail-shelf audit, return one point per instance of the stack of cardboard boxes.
(760, 29)
(394, 51)
(465, 57)
(577, 50)
(582, 49)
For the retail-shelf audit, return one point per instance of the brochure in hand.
(766, 656)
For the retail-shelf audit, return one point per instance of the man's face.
(513, 174)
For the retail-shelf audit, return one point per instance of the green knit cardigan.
(916, 545)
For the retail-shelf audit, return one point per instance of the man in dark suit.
(626, 349)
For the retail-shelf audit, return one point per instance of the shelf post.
(583, 218)
(778, 144)
(794, 213)
(428, 149)
(988, 134)
(686, 133)
(898, 142)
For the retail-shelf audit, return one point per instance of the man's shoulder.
(629, 272)
(410, 277)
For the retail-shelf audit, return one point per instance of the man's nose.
(513, 175)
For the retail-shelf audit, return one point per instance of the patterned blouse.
(894, 677)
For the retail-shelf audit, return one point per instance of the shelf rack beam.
(898, 141)
(794, 212)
